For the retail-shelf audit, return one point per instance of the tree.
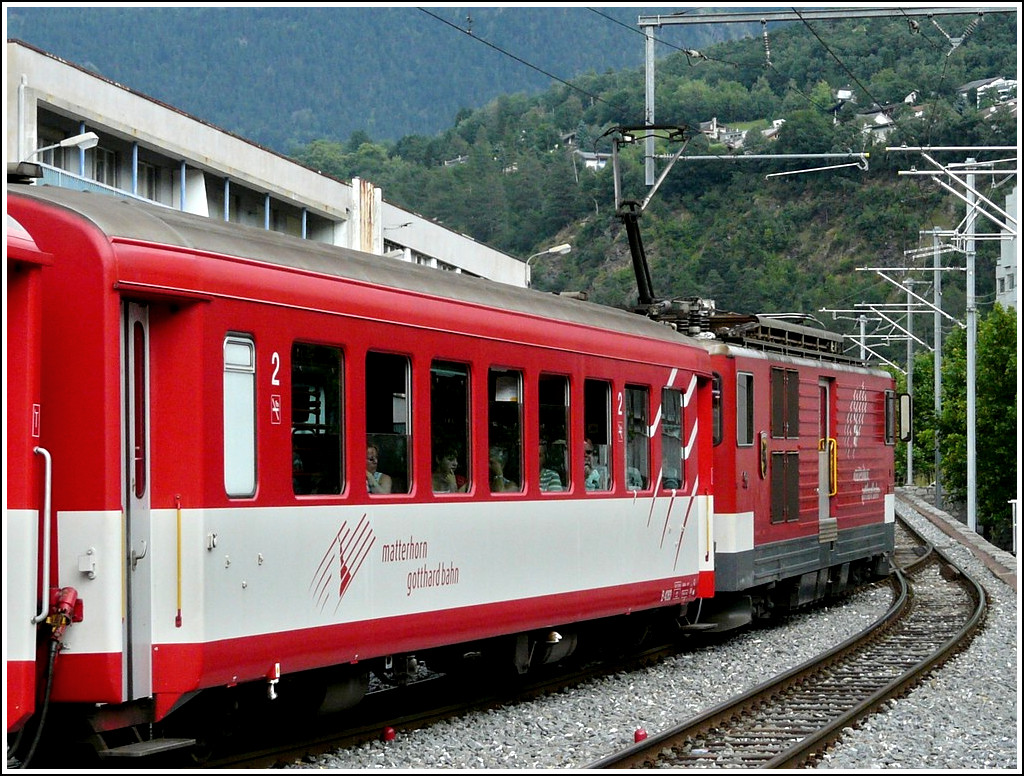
(995, 421)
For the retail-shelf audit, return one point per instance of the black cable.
(54, 649)
(517, 59)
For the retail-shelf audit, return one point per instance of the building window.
(149, 181)
(105, 167)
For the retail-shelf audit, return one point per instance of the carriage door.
(135, 349)
(827, 527)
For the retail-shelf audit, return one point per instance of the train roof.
(122, 219)
(778, 334)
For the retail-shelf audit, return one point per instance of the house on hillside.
(719, 133)
(988, 91)
(593, 161)
(1008, 106)
(773, 130)
(877, 122)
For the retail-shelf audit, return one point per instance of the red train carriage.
(209, 395)
(804, 501)
(27, 467)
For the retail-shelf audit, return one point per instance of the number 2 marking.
(275, 359)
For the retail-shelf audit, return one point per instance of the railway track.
(790, 721)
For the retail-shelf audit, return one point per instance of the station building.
(149, 150)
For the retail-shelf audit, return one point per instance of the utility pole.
(972, 341)
(937, 367)
(910, 370)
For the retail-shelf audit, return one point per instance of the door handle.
(137, 557)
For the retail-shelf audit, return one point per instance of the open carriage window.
(450, 440)
(671, 438)
(316, 419)
(388, 424)
(505, 429)
(637, 472)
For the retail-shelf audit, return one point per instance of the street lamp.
(558, 250)
(84, 141)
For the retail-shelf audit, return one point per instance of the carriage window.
(671, 439)
(316, 419)
(744, 409)
(785, 403)
(552, 457)
(387, 423)
(139, 415)
(505, 429)
(597, 449)
(449, 427)
(637, 471)
(239, 417)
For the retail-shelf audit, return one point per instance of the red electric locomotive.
(200, 416)
(804, 439)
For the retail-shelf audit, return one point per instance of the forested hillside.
(281, 76)
(719, 228)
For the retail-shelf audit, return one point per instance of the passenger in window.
(445, 478)
(499, 482)
(634, 479)
(594, 474)
(376, 481)
(550, 479)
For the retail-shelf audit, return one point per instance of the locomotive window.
(505, 429)
(671, 439)
(716, 408)
(316, 419)
(597, 434)
(387, 418)
(553, 406)
(239, 417)
(785, 403)
(637, 470)
(744, 409)
(449, 425)
(785, 487)
(890, 417)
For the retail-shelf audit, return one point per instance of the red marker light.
(639, 735)
(389, 734)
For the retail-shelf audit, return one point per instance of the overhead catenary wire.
(470, 33)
